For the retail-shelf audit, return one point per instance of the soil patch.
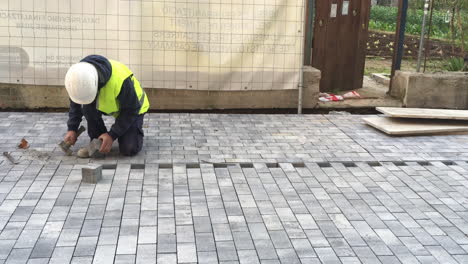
(381, 44)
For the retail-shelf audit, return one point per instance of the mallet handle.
(80, 131)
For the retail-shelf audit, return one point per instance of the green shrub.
(384, 18)
(455, 64)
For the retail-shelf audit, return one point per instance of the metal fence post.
(399, 39)
(423, 33)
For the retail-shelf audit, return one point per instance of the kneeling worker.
(97, 86)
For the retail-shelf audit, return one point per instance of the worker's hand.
(70, 137)
(106, 143)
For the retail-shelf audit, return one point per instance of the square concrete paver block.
(92, 173)
(93, 149)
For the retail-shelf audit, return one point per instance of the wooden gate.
(339, 43)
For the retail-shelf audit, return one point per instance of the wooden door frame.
(316, 45)
(399, 36)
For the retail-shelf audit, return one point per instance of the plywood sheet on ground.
(424, 113)
(406, 126)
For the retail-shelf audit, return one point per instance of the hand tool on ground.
(65, 146)
(10, 158)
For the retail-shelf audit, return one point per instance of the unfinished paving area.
(236, 189)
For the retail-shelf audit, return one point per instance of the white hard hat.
(81, 83)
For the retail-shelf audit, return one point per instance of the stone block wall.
(19, 96)
(447, 90)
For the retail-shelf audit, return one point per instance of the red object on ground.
(24, 144)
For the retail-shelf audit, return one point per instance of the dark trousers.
(130, 143)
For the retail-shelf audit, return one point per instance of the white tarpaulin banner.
(191, 44)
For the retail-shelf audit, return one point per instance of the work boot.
(83, 153)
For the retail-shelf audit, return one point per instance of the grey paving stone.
(202, 224)
(441, 254)
(423, 237)
(294, 230)
(68, 237)
(147, 235)
(389, 259)
(265, 249)
(252, 215)
(205, 242)
(258, 231)
(407, 258)
(74, 220)
(38, 261)
(341, 247)
(222, 232)
(22, 213)
(306, 221)
(248, 256)
(207, 257)
(316, 238)
(288, 255)
(12, 230)
(62, 255)
(272, 222)
(380, 248)
(461, 258)
(65, 199)
(238, 224)
(270, 261)
(167, 243)
(148, 218)
(280, 239)
(146, 254)
(36, 221)
(185, 234)
(28, 238)
(226, 251)
(186, 253)
(303, 248)
(353, 238)
(109, 236)
(426, 259)
(86, 246)
(59, 213)
(45, 246)
(19, 255)
(166, 226)
(127, 245)
(218, 216)
(327, 255)
(243, 241)
(82, 260)
(366, 255)
(91, 228)
(350, 260)
(124, 259)
(450, 246)
(104, 254)
(388, 237)
(167, 258)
